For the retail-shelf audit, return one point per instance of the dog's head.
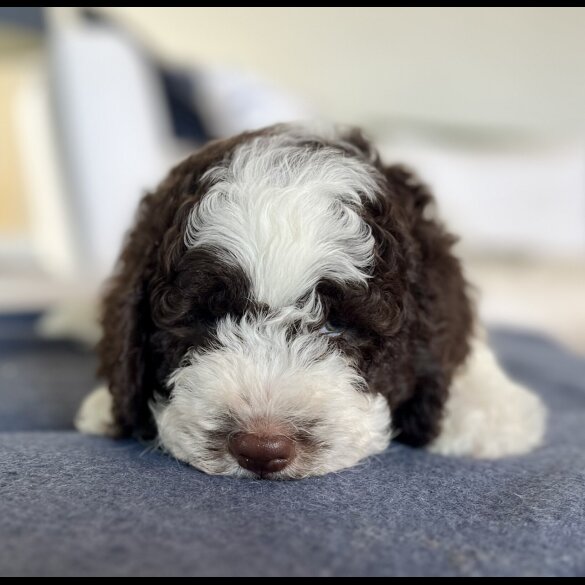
(271, 314)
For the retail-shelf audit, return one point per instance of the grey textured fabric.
(74, 505)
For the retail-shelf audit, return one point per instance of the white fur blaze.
(288, 216)
(95, 414)
(487, 415)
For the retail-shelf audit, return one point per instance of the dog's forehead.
(287, 211)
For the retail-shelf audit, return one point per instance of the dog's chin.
(294, 472)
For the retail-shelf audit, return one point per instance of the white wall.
(503, 66)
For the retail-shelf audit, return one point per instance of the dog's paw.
(487, 415)
(95, 414)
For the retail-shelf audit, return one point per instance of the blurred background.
(486, 104)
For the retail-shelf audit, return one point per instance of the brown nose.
(262, 454)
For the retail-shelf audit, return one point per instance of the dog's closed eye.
(333, 327)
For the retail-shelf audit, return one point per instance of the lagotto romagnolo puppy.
(285, 305)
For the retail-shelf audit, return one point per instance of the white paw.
(487, 415)
(94, 416)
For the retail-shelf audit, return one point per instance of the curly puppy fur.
(219, 316)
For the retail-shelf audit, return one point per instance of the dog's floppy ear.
(127, 326)
(442, 313)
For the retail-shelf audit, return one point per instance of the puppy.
(285, 305)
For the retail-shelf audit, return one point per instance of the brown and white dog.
(285, 305)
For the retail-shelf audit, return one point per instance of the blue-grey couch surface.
(76, 505)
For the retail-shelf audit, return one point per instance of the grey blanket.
(75, 505)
